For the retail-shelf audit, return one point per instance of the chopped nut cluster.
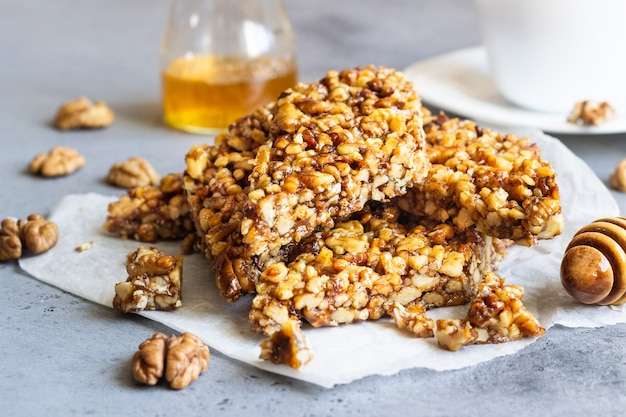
(35, 234)
(58, 162)
(134, 172)
(591, 113)
(180, 360)
(496, 315)
(362, 268)
(618, 177)
(154, 282)
(498, 183)
(413, 319)
(83, 114)
(151, 213)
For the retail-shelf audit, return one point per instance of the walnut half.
(10, 242)
(36, 235)
(134, 172)
(83, 114)
(180, 359)
(618, 177)
(58, 162)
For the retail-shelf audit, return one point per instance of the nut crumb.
(85, 246)
(58, 162)
(496, 315)
(180, 359)
(288, 346)
(591, 113)
(618, 178)
(134, 172)
(83, 114)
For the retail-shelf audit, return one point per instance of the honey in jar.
(204, 94)
(222, 59)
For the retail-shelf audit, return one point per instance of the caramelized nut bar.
(496, 315)
(152, 212)
(361, 268)
(353, 137)
(154, 282)
(499, 183)
(216, 183)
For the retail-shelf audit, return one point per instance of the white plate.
(459, 82)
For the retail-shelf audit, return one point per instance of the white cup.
(547, 55)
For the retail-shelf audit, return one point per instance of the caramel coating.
(593, 270)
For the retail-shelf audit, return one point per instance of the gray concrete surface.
(62, 356)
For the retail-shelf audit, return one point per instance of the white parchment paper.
(346, 353)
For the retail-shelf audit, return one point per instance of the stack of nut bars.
(345, 200)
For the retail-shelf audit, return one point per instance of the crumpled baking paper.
(345, 353)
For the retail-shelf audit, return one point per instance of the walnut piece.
(58, 162)
(83, 114)
(134, 172)
(149, 360)
(180, 359)
(10, 242)
(591, 113)
(154, 282)
(38, 234)
(187, 357)
(618, 178)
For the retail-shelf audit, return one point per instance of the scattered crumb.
(85, 246)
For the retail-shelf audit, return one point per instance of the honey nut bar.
(154, 282)
(361, 268)
(499, 183)
(150, 213)
(355, 136)
(216, 184)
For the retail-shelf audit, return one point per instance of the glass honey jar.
(221, 59)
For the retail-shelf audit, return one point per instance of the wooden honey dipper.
(593, 270)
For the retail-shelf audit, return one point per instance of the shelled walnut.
(591, 113)
(134, 172)
(58, 162)
(38, 235)
(10, 242)
(149, 360)
(180, 359)
(618, 178)
(35, 234)
(83, 114)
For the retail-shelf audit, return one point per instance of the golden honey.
(204, 94)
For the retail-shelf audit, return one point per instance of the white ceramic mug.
(547, 55)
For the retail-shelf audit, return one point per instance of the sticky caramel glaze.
(593, 270)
